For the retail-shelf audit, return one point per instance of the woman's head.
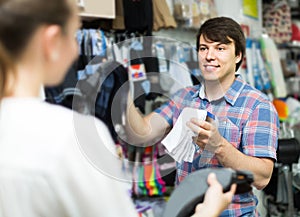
(224, 30)
(21, 19)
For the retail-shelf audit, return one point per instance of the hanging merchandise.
(160, 52)
(98, 42)
(79, 38)
(277, 21)
(101, 95)
(249, 69)
(87, 49)
(118, 22)
(92, 42)
(257, 76)
(202, 11)
(137, 72)
(281, 108)
(184, 56)
(124, 51)
(138, 16)
(272, 59)
(164, 75)
(264, 75)
(144, 70)
(80, 3)
(136, 67)
(180, 75)
(147, 181)
(296, 31)
(193, 65)
(162, 17)
(255, 64)
(194, 12)
(183, 9)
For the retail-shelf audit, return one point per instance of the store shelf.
(90, 9)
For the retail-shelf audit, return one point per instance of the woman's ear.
(52, 42)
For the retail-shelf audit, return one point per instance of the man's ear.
(238, 57)
(52, 42)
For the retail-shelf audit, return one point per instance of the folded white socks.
(179, 141)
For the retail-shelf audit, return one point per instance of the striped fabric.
(246, 118)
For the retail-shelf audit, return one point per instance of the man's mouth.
(211, 67)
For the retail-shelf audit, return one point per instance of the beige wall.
(98, 8)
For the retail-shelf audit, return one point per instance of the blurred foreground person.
(44, 169)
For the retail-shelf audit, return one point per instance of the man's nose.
(210, 54)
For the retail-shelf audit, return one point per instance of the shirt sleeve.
(170, 110)
(260, 133)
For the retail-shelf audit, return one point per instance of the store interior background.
(281, 62)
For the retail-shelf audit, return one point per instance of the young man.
(247, 131)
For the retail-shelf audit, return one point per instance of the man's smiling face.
(217, 61)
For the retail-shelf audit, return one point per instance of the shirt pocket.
(229, 131)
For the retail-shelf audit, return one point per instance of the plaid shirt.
(246, 119)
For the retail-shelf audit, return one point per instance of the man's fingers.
(203, 124)
(195, 128)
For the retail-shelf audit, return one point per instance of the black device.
(191, 190)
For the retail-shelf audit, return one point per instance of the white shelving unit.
(97, 9)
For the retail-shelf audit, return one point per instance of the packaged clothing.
(277, 21)
(194, 12)
(56, 162)
(180, 75)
